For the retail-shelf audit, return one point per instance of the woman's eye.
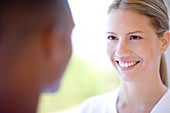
(112, 38)
(135, 37)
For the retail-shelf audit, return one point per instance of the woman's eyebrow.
(134, 32)
(126, 33)
(129, 33)
(111, 33)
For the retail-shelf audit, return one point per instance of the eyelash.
(112, 38)
(131, 38)
(135, 37)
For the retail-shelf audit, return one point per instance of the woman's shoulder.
(99, 103)
(99, 98)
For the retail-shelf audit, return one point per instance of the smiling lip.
(127, 65)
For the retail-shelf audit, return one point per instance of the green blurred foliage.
(81, 80)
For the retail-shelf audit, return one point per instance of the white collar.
(163, 105)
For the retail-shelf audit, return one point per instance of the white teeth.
(127, 64)
(133, 63)
(122, 64)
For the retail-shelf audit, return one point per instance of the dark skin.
(32, 62)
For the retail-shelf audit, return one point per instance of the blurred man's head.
(35, 44)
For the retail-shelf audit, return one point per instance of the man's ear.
(50, 40)
(165, 41)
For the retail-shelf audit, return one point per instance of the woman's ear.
(165, 41)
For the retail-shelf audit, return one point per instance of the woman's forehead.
(128, 21)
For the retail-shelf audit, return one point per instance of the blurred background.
(89, 72)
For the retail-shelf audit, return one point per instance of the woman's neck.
(140, 96)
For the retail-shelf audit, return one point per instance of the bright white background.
(88, 37)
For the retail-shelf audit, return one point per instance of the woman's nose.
(123, 49)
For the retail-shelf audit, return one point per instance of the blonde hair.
(159, 20)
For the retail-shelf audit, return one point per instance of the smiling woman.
(135, 43)
(137, 37)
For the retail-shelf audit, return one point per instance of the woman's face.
(132, 45)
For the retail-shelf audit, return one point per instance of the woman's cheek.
(110, 49)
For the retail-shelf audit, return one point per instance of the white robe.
(106, 103)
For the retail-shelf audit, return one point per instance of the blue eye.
(112, 38)
(135, 37)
